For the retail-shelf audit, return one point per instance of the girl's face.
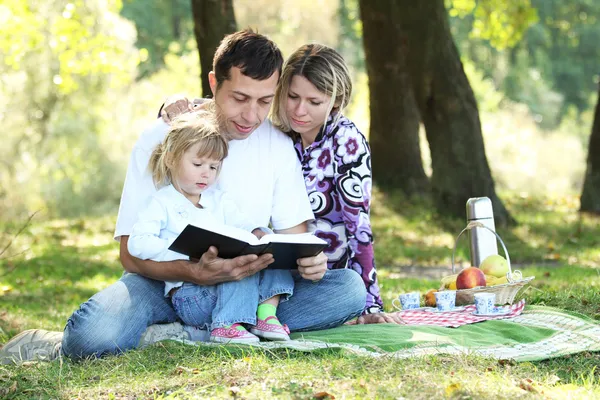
(306, 108)
(193, 175)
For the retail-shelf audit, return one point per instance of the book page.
(308, 238)
(231, 231)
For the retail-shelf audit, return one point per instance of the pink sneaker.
(269, 331)
(232, 335)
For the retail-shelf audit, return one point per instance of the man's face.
(243, 102)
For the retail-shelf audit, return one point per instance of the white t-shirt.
(262, 175)
(168, 212)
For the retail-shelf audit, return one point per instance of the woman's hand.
(380, 318)
(175, 106)
(313, 268)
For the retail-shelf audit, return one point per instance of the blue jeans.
(113, 320)
(230, 302)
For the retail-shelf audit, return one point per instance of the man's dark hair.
(254, 54)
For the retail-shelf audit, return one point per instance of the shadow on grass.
(549, 231)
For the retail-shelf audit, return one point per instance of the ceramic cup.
(484, 302)
(407, 301)
(445, 300)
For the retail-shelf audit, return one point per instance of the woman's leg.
(335, 299)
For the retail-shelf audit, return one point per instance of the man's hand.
(380, 318)
(313, 268)
(212, 270)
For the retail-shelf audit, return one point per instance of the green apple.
(494, 265)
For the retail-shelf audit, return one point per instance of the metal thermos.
(483, 242)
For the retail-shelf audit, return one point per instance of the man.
(262, 173)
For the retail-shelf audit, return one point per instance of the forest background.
(79, 80)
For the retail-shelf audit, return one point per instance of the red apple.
(469, 278)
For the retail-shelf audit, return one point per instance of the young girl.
(184, 168)
(314, 88)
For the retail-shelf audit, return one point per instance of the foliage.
(66, 261)
(162, 27)
(501, 23)
(541, 53)
(57, 82)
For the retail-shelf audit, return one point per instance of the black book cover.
(194, 241)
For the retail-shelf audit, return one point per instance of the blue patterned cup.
(484, 302)
(445, 300)
(407, 301)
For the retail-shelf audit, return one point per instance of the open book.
(231, 242)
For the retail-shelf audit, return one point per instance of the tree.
(394, 131)
(590, 195)
(162, 27)
(448, 109)
(213, 19)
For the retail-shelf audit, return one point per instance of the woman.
(313, 90)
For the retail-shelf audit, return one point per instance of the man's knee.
(113, 320)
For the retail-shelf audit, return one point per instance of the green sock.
(265, 311)
(239, 327)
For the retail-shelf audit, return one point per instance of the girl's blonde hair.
(186, 131)
(322, 66)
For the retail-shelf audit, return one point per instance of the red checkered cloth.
(456, 318)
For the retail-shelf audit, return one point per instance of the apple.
(469, 278)
(494, 265)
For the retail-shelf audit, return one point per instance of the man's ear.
(212, 82)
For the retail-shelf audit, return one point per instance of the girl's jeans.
(230, 302)
(113, 320)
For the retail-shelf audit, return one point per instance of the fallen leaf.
(528, 385)
(323, 395)
(451, 389)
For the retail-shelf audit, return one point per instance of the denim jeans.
(113, 320)
(230, 302)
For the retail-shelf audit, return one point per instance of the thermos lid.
(479, 208)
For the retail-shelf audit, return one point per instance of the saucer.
(497, 311)
(455, 309)
(418, 309)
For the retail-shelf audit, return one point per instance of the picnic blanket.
(455, 319)
(538, 333)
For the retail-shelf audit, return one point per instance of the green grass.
(62, 263)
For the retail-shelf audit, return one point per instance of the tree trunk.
(394, 132)
(213, 19)
(590, 195)
(448, 108)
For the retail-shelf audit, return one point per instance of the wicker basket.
(506, 292)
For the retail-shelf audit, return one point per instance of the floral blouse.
(337, 174)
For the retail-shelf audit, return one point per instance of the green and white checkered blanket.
(538, 333)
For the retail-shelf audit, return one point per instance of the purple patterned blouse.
(337, 174)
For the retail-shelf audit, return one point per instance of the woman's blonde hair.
(322, 66)
(186, 131)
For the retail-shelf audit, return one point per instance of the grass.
(62, 263)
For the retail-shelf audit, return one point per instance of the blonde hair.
(322, 66)
(186, 131)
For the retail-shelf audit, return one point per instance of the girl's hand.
(259, 233)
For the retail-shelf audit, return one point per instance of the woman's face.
(306, 108)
